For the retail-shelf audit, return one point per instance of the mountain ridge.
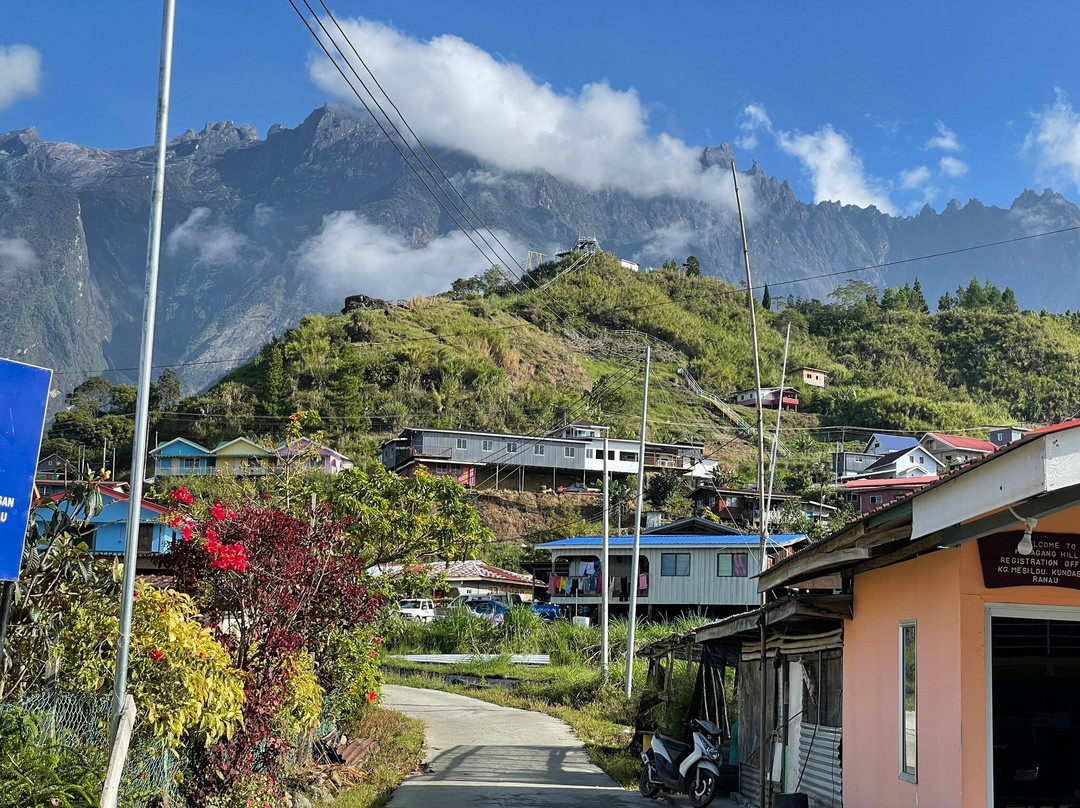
(240, 210)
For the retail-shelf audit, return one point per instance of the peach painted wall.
(924, 590)
(944, 593)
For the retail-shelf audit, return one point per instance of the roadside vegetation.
(571, 688)
(398, 749)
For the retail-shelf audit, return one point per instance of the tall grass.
(523, 631)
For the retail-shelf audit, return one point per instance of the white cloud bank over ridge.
(20, 73)
(350, 255)
(836, 171)
(457, 95)
(1054, 141)
(212, 243)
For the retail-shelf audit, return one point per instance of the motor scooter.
(690, 769)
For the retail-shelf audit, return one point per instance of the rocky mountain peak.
(721, 155)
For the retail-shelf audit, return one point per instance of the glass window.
(462, 443)
(732, 565)
(488, 445)
(876, 499)
(731, 502)
(675, 565)
(512, 448)
(569, 451)
(538, 449)
(908, 703)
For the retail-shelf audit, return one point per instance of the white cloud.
(16, 255)
(915, 178)
(946, 139)
(665, 243)
(212, 243)
(458, 96)
(350, 255)
(1054, 141)
(20, 73)
(951, 167)
(836, 171)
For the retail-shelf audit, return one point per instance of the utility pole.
(605, 573)
(764, 701)
(634, 571)
(146, 359)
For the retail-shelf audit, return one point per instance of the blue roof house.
(181, 457)
(689, 565)
(882, 444)
(106, 534)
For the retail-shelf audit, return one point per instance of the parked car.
(512, 599)
(577, 488)
(493, 610)
(548, 611)
(421, 609)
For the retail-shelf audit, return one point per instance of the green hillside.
(525, 363)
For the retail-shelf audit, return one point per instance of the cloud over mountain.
(456, 95)
(20, 73)
(1054, 141)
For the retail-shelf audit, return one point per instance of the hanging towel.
(643, 581)
(553, 584)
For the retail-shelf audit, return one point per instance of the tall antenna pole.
(764, 702)
(146, 359)
(776, 436)
(605, 573)
(634, 571)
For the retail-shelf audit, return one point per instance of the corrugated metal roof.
(461, 571)
(893, 443)
(964, 442)
(745, 540)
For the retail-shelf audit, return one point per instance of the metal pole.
(763, 705)
(629, 686)
(5, 616)
(146, 359)
(605, 573)
(776, 436)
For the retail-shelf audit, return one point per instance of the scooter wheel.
(646, 786)
(702, 787)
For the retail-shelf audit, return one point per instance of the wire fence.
(83, 719)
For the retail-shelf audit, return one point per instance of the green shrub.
(38, 770)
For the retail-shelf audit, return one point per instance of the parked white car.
(421, 609)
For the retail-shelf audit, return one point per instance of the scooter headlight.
(711, 753)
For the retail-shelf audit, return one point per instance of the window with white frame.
(488, 445)
(462, 443)
(569, 451)
(876, 499)
(675, 565)
(512, 447)
(731, 502)
(909, 702)
(538, 449)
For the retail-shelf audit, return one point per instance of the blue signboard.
(24, 393)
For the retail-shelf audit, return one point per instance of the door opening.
(1035, 669)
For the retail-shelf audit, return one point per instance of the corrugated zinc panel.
(819, 757)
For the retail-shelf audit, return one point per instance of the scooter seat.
(676, 748)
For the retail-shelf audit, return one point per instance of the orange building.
(951, 618)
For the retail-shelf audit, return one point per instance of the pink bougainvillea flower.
(374, 653)
(218, 512)
(185, 531)
(182, 495)
(372, 697)
(176, 520)
(156, 655)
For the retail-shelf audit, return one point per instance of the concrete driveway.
(481, 754)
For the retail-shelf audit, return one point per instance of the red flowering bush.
(282, 586)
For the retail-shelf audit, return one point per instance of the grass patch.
(598, 713)
(399, 747)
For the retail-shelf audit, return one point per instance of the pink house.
(314, 455)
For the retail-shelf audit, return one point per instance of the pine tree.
(766, 299)
(919, 299)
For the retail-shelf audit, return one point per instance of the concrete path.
(483, 755)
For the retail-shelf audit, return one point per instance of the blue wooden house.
(181, 457)
(106, 532)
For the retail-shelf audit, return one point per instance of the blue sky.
(892, 104)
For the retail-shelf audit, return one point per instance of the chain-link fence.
(83, 719)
